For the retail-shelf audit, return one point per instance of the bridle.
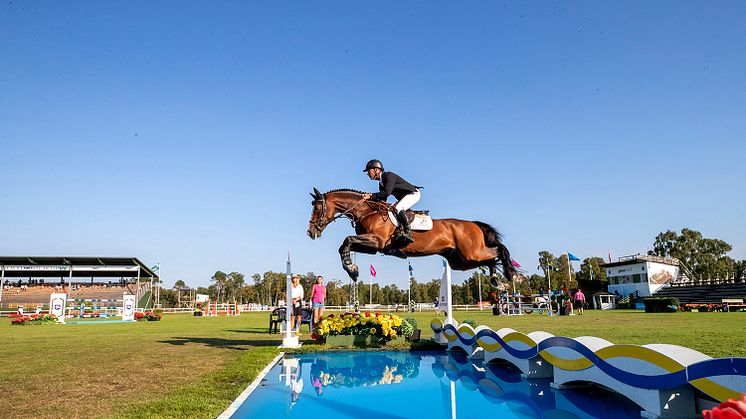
(321, 224)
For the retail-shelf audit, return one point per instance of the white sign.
(128, 307)
(203, 298)
(35, 268)
(57, 305)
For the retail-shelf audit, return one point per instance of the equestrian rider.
(392, 184)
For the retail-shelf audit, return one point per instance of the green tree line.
(704, 257)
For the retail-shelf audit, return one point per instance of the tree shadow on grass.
(262, 330)
(234, 344)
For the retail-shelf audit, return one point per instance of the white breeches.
(408, 201)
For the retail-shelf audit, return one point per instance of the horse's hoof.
(352, 270)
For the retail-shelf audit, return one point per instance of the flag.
(411, 270)
(550, 266)
(572, 257)
(156, 267)
(483, 269)
(372, 271)
(444, 263)
(609, 256)
(516, 264)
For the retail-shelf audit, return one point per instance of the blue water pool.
(417, 385)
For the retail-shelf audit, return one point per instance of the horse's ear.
(316, 191)
(313, 196)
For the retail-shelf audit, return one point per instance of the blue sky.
(191, 133)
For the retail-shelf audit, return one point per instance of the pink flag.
(372, 271)
(609, 256)
(516, 264)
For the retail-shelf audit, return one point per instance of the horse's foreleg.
(365, 243)
(344, 253)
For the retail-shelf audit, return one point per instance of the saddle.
(418, 220)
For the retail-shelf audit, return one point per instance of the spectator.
(318, 297)
(296, 299)
(567, 301)
(579, 301)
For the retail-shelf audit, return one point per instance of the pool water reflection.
(417, 385)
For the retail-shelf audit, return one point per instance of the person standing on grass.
(579, 301)
(296, 299)
(318, 296)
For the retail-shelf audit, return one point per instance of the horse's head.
(321, 215)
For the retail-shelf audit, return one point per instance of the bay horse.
(465, 244)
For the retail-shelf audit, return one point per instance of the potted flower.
(361, 329)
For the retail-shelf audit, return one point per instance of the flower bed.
(361, 329)
(21, 320)
(151, 316)
(703, 308)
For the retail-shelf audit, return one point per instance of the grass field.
(195, 366)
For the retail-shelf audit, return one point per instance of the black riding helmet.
(373, 164)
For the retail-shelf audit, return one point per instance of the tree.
(179, 283)
(234, 282)
(220, 278)
(557, 269)
(704, 258)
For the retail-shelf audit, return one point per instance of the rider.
(392, 184)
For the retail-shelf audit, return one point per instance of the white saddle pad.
(422, 222)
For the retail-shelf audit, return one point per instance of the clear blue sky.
(191, 133)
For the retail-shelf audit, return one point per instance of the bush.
(406, 329)
(411, 321)
(471, 322)
(661, 304)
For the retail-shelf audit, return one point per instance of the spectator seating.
(714, 293)
(277, 316)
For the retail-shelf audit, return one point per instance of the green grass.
(188, 366)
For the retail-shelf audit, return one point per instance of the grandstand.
(29, 280)
(704, 292)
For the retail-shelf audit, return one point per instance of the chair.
(277, 316)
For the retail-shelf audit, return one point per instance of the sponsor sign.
(128, 307)
(57, 305)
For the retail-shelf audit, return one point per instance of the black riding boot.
(405, 233)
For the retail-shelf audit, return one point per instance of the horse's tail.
(493, 239)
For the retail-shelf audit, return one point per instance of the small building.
(603, 300)
(644, 274)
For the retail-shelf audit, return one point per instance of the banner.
(128, 307)
(57, 305)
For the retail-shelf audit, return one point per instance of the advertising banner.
(128, 307)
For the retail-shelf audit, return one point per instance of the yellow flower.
(372, 330)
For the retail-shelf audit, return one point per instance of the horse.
(464, 244)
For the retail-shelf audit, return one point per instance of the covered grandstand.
(29, 280)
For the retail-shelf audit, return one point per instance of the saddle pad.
(421, 222)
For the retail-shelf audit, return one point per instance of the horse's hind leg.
(365, 243)
(493, 272)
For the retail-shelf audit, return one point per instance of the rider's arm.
(386, 188)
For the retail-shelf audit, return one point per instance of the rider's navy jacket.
(393, 184)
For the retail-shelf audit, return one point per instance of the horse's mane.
(346, 190)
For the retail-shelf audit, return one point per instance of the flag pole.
(479, 300)
(409, 291)
(449, 296)
(289, 341)
(569, 267)
(549, 291)
(288, 304)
